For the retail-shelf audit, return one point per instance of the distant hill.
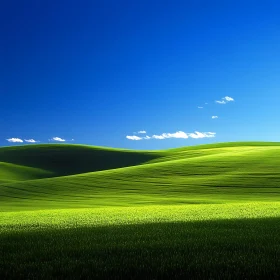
(91, 176)
(61, 160)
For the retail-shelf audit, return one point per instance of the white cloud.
(225, 100)
(31, 141)
(142, 132)
(199, 107)
(58, 139)
(15, 140)
(178, 135)
(215, 117)
(134, 137)
(221, 102)
(159, 137)
(184, 135)
(206, 103)
(197, 135)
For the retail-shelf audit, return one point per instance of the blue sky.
(99, 71)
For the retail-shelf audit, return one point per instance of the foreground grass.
(198, 241)
(118, 216)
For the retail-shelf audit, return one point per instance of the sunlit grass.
(112, 216)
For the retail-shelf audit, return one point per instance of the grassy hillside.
(205, 175)
(13, 172)
(62, 160)
(202, 212)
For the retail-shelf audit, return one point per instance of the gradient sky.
(99, 71)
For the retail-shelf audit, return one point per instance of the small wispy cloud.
(178, 135)
(31, 141)
(197, 135)
(142, 132)
(225, 100)
(200, 107)
(134, 137)
(221, 101)
(160, 137)
(215, 117)
(15, 140)
(58, 139)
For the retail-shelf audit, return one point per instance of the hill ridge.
(213, 175)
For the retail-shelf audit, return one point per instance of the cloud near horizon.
(134, 137)
(178, 135)
(15, 140)
(18, 140)
(31, 141)
(225, 100)
(198, 135)
(58, 139)
(142, 132)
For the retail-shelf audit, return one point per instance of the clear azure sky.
(99, 71)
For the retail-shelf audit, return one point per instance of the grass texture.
(203, 212)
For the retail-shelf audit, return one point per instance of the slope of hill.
(61, 160)
(13, 172)
(209, 174)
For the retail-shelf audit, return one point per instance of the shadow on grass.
(224, 249)
(73, 159)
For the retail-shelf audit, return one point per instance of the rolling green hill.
(199, 212)
(13, 172)
(205, 174)
(61, 160)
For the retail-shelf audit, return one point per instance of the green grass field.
(202, 212)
